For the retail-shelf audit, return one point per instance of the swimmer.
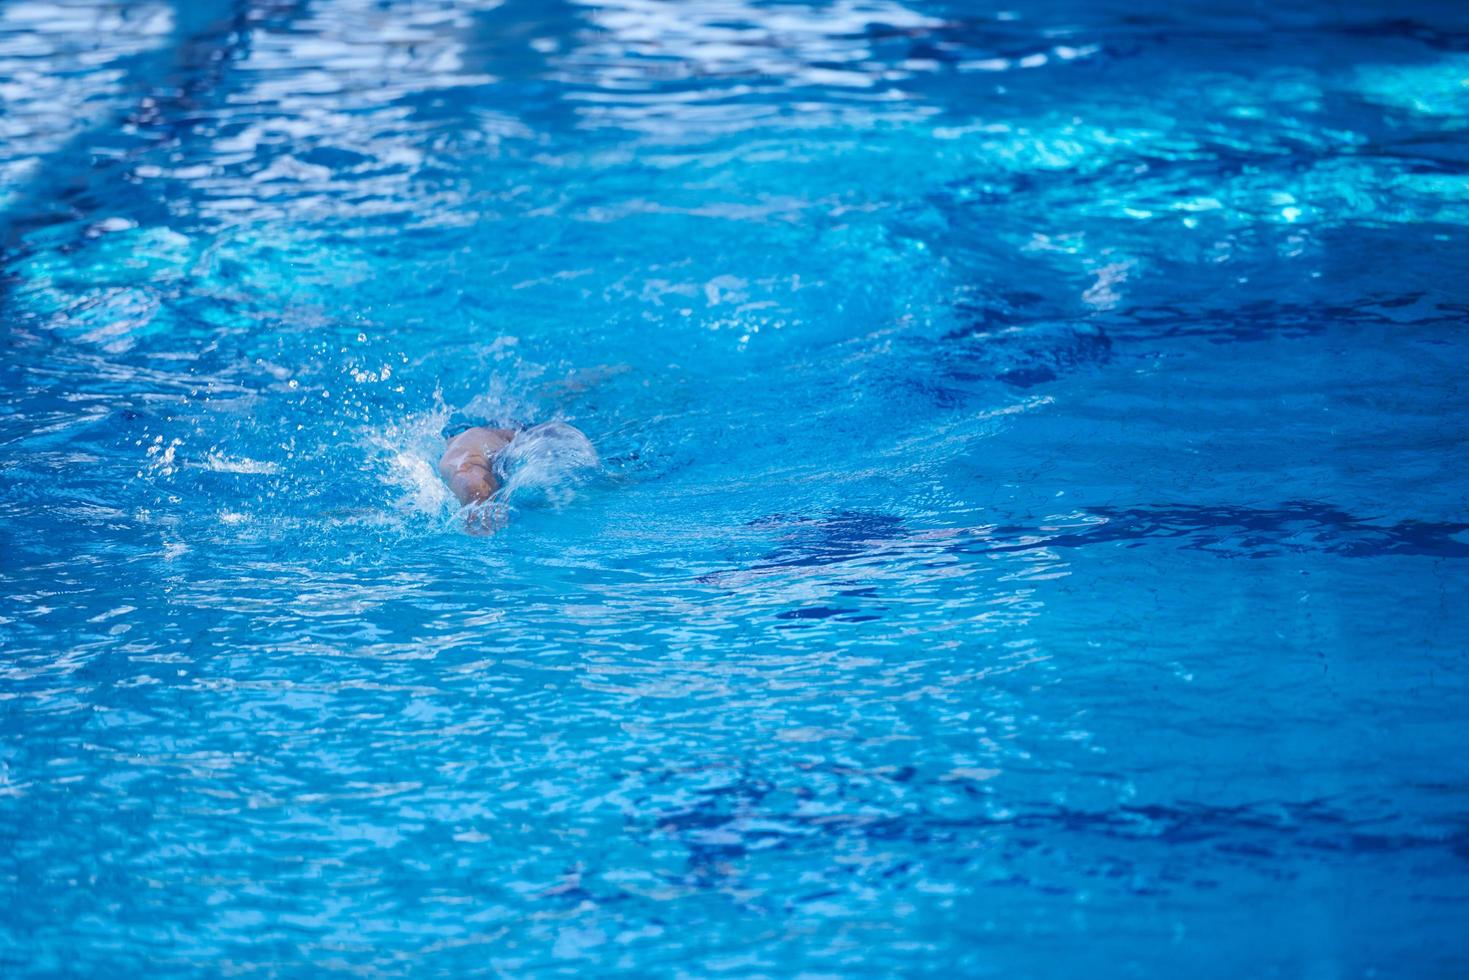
(468, 463)
(476, 460)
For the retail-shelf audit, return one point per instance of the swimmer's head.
(473, 484)
(467, 465)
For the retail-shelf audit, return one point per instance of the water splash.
(545, 466)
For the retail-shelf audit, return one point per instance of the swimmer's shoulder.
(481, 437)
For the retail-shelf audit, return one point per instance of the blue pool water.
(1030, 538)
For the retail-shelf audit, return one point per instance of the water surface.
(1031, 538)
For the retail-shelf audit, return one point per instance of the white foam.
(216, 462)
(407, 452)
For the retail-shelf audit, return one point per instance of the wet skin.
(467, 465)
